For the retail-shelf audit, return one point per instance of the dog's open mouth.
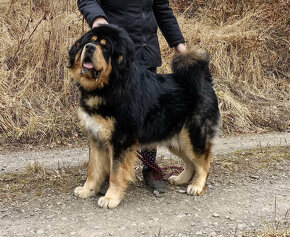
(88, 66)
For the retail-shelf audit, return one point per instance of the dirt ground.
(248, 194)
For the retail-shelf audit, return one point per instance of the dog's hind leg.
(200, 157)
(121, 172)
(202, 165)
(98, 169)
(188, 172)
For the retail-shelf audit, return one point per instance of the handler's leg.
(152, 174)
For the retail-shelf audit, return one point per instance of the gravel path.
(242, 199)
(15, 161)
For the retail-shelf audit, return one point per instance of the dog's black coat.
(149, 107)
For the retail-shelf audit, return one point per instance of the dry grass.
(38, 181)
(38, 99)
(249, 46)
(247, 41)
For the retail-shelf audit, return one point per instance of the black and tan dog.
(124, 107)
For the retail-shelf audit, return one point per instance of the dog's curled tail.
(191, 70)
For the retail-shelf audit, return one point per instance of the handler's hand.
(98, 21)
(180, 48)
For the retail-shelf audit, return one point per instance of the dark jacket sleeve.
(91, 9)
(167, 22)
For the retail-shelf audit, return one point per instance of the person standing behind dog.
(140, 19)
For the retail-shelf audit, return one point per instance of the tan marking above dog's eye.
(94, 38)
(120, 59)
(103, 42)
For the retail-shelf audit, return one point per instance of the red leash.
(158, 170)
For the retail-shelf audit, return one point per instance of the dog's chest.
(97, 126)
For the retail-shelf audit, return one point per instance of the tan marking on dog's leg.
(120, 175)
(188, 172)
(98, 168)
(201, 163)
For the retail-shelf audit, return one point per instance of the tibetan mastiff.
(124, 107)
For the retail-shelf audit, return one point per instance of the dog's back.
(184, 98)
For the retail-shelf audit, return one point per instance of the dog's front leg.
(98, 169)
(121, 172)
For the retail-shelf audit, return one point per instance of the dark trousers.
(148, 157)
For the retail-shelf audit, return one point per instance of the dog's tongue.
(88, 65)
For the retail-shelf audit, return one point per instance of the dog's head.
(103, 51)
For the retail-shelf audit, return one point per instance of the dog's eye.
(105, 48)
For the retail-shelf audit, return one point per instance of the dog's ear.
(73, 51)
(124, 51)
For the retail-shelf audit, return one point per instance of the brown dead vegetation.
(248, 42)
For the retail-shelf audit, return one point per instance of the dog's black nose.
(90, 47)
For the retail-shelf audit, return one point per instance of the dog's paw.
(84, 192)
(177, 180)
(106, 202)
(196, 190)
